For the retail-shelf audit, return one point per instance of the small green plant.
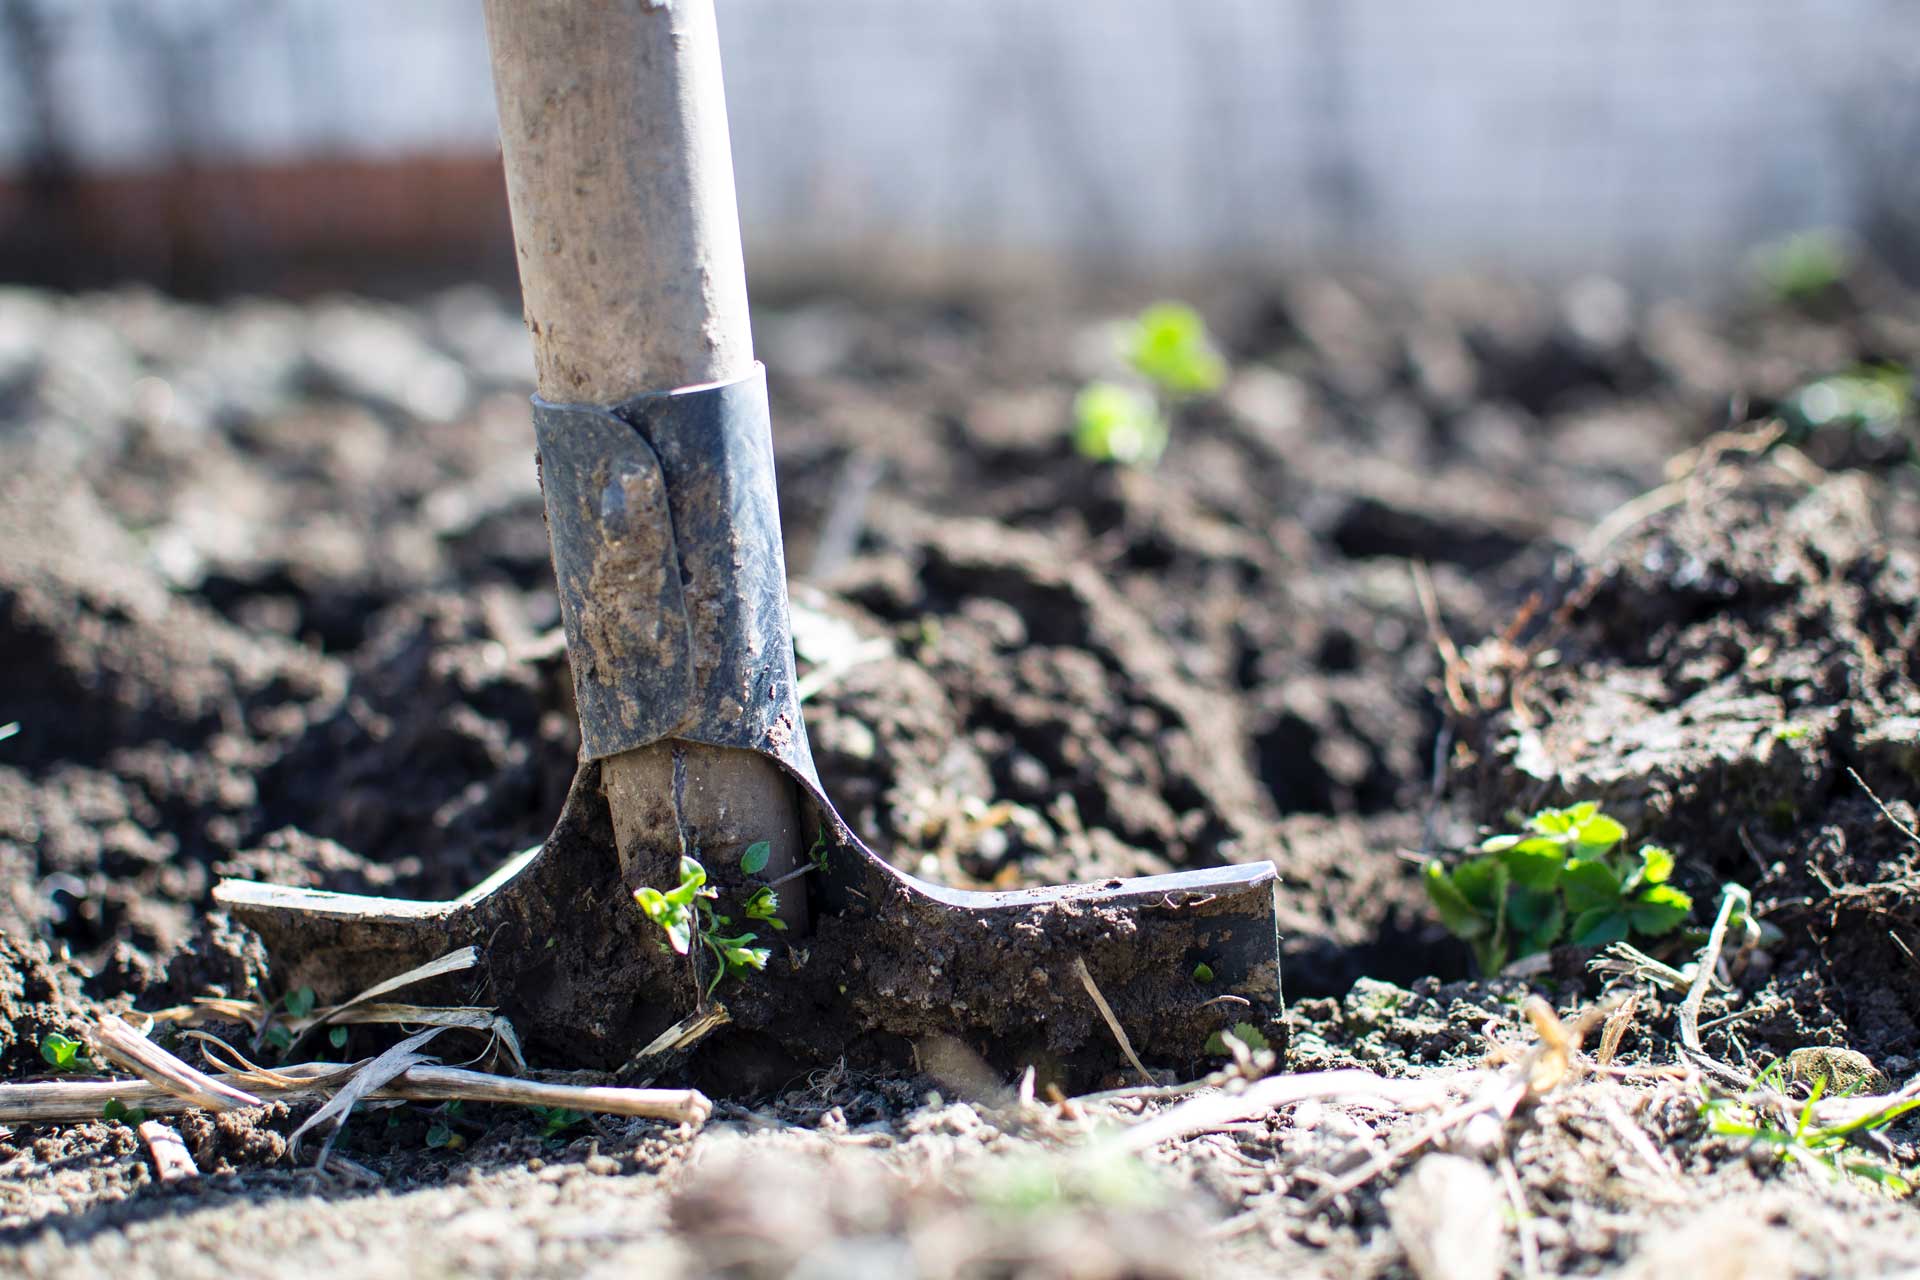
(62, 1053)
(1245, 1032)
(1203, 972)
(1870, 398)
(555, 1121)
(120, 1111)
(1761, 1119)
(1116, 423)
(441, 1135)
(296, 1004)
(1804, 265)
(686, 912)
(1560, 878)
(1167, 346)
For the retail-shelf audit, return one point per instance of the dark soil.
(275, 603)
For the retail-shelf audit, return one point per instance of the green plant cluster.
(1873, 398)
(1805, 265)
(1563, 878)
(1828, 1148)
(1167, 346)
(686, 913)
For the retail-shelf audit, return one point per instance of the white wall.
(1551, 134)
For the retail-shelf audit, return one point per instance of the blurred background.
(206, 145)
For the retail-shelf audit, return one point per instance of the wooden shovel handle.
(613, 125)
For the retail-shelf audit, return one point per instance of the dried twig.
(1616, 1028)
(1453, 667)
(1730, 897)
(1885, 812)
(76, 1100)
(1210, 1111)
(364, 1080)
(121, 1044)
(1113, 1023)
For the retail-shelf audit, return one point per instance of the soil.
(275, 603)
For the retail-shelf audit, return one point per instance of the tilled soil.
(275, 603)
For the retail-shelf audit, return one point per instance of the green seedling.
(1804, 265)
(1203, 972)
(441, 1135)
(1115, 423)
(296, 1004)
(1561, 878)
(62, 1053)
(121, 1112)
(337, 1037)
(686, 913)
(555, 1121)
(1763, 1121)
(1167, 346)
(1245, 1032)
(1870, 398)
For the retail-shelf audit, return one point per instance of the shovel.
(696, 781)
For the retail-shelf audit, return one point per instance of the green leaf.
(120, 1111)
(1245, 1032)
(1531, 908)
(693, 877)
(746, 957)
(442, 1135)
(1590, 885)
(1537, 919)
(1460, 916)
(299, 1002)
(1600, 926)
(754, 859)
(1483, 881)
(1656, 864)
(1113, 423)
(1659, 909)
(1597, 834)
(1535, 864)
(1168, 344)
(337, 1037)
(279, 1037)
(1203, 972)
(62, 1053)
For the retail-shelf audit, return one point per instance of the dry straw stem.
(71, 1101)
(1113, 1023)
(1730, 896)
(120, 1043)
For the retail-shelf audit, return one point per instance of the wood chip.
(171, 1159)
